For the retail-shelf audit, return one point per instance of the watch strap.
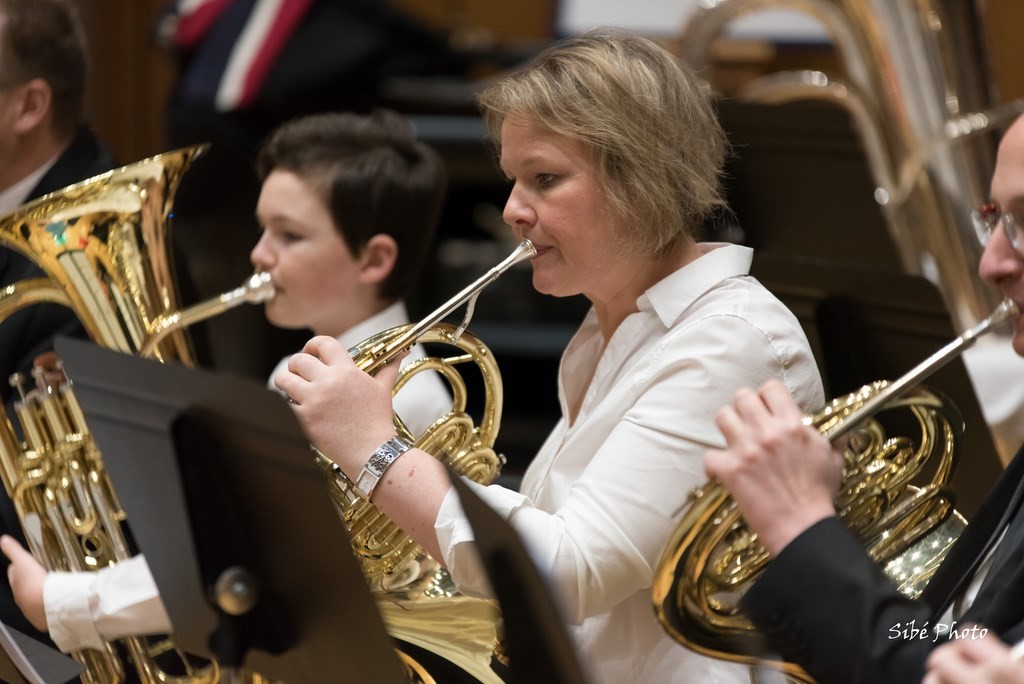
(381, 459)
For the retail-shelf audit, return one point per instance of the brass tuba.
(102, 245)
(417, 599)
(917, 90)
(712, 558)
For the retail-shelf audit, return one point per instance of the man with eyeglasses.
(822, 602)
(987, 219)
(995, 368)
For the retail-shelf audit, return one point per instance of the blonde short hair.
(643, 117)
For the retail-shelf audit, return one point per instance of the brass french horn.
(103, 247)
(712, 558)
(417, 599)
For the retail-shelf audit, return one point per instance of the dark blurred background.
(426, 58)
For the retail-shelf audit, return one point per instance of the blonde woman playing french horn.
(821, 601)
(613, 154)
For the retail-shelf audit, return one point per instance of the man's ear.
(34, 100)
(377, 259)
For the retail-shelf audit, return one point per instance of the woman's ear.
(377, 259)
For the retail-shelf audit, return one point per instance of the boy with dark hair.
(346, 202)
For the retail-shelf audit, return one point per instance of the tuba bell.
(712, 558)
(916, 86)
(103, 247)
(417, 599)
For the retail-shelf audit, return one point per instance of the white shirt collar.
(388, 318)
(14, 196)
(672, 295)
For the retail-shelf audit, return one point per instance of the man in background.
(45, 145)
(822, 602)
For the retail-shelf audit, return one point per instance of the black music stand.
(866, 325)
(227, 504)
(539, 648)
(23, 660)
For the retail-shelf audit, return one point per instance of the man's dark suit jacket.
(30, 331)
(826, 606)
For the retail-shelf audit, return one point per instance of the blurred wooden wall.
(503, 22)
(132, 77)
(1005, 21)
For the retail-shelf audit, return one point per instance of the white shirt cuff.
(66, 598)
(84, 609)
(455, 535)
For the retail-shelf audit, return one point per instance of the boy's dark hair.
(373, 176)
(45, 39)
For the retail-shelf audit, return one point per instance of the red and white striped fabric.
(244, 37)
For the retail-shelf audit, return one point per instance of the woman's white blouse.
(601, 498)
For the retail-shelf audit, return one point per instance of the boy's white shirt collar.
(14, 196)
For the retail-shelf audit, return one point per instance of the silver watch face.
(365, 483)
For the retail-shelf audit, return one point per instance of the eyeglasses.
(987, 218)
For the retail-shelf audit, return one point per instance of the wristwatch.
(386, 454)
